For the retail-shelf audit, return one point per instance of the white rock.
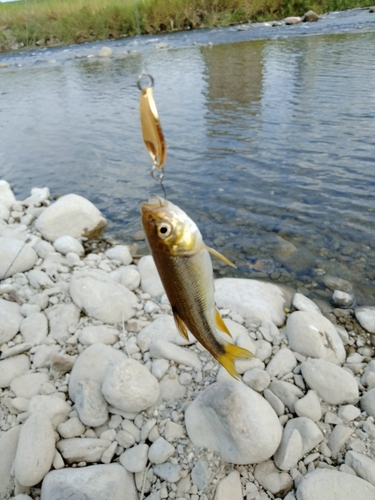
(310, 432)
(229, 487)
(282, 363)
(12, 368)
(102, 298)
(257, 379)
(160, 451)
(333, 485)
(8, 447)
(167, 350)
(63, 318)
(365, 317)
(102, 482)
(66, 244)
(4, 212)
(90, 404)
(71, 428)
(367, 402)
(105, 52)
(168, 472)
(268, 476)
(263, 349)
(363, 465)
(101, 333)
(82, 449)
(173, 431)
(34, 328)
(162, 328)
(43, 355)
(312, 334)
(36, 450)
(93, 364)
(333, 384)
(135, 459)
(7, 197)
(120, 253)
(342, 299)
(250, 434)
(309, 406)
(70, 215)
(252, 299)
(15, 257)
(52, 406)
(128, 276)
(150, 280)
(201, 474)
(275, 402)
(39, 279)
(288, 393)
(58, 462)
(159, 368)
(303, 303)
(38, 195)
(11, 319)
(28, 385)
(130, 387)
(43, 248)
(290, 450)
(349, 412)
(338, 437)
(171, 389)
(368, 377)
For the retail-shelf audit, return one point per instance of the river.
(270, 133)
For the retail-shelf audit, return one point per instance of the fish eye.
(164, 230)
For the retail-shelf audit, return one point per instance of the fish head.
(168, 228)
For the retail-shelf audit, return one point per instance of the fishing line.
(14, 260)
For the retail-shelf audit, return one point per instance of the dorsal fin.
(220, 256)
(220, 323)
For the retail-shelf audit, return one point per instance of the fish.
(184, 265)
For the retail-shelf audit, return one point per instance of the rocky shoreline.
(100, 395)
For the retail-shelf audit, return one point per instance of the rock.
(98, 334)
(275, 402)
(4, 212)
(71, 428)
(63, 319)
(39, 279)
(135, 459)
(334, 283)
(94, 482)
(349, 412)
(310, 434)
(338, 438)
(250, 434)
(61, 363)
(282, 363)
(43, 355)
(93, 364)
(130, 387)
(160, 451)
(28, 385)
(36, 450)
(128, 276)
(162, 328)
(159, 368)
(229, 487)
(171, 389)
(51, 406)
(8, 447)
(66, 244)
(367, 402)
(252, 299)
(15, 257)
(150, 280)
(82, 449)
(201, 475)
(173, 431)
(167, 350)
(303, 303)
(34, 328)
(70, 215)
(310, 16)
(105, 52)
(309, 406)
(372, 9)
(43, 248)
(11, 319)
(12, 368)
(90, 404)
(333, 485)
(288, 393)
(168, 472)
(290, 450)
(102, 298)
(7, 197)
(366, 318)
(342, 299)
(268, 476)
(363, 465)
(292, 20)
(311, 334)
(333, 384)
(120, 253)
(368, 377)
(38, 196)
(257, 379)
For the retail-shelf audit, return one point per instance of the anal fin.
(220, 323)
(220, 256)
(181, 327)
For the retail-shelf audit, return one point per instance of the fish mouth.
(153, 202)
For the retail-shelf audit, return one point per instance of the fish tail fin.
(233, 352)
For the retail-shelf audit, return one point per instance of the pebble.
(363, 466)
(288, 393)
(282, 363)
(12, 368)
(250, 434)
(129, 386)
(34, 328)
(366, 317)
(275, 402)
(35, 451)
(333, 384)
(76, 450)
(367, 402)
(159, 368)
(52, 406)
(8, 447)
(201, 475)
(98, 334)
(168, 472)
(128, 276)
(108, 481)
(11, 319)
(173, 431)
(66, 244)
(309, 406)
(257, 379)
(342, 299)
(105, 52)
(7, 197)
(16, 257)
(268, 476)
(150, 280)
(90, 403)
(349, 412)
(160, 451)
(171, 389)
(229, 487)
(71, 428)
(167, 350)
(62, 318)
(135, 459)
(303, 303)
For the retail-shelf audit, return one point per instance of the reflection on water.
(271, 148)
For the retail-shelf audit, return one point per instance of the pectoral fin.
(220, 324)
(220, 256)
(181, 327)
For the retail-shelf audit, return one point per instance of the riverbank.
(99, 392)
(41, 23)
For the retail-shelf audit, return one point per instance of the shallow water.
(270, 140)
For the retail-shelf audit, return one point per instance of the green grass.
(62, 22)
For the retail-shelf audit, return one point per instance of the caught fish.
(185, 268)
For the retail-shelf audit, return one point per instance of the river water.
(270, 133)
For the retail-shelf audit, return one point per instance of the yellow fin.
(233, 352)
(220, 324)
(220, 256)
(181, 327)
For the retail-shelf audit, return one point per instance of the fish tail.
(233, 352)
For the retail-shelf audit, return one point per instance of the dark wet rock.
(293, 20)
(310, 17)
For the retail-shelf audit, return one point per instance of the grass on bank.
(61, 22)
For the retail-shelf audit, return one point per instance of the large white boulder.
(15, 257)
